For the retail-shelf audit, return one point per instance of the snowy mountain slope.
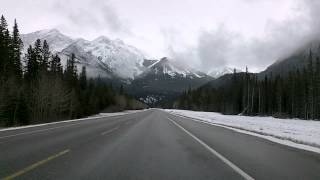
(173, 69)
(216, 73)
(164, 80)
(55, 39)
(106, 57)
(100, 54)
(125, 60)
(94, 66)
(297, 60)
(148, 62)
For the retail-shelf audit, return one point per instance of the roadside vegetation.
(36, 88)
(296, 95)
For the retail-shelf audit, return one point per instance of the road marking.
(109, 131)
(35, 165)
(36, 131)
(73, 120)
(225, 160)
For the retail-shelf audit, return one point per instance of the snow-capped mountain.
(151, 81)
(216, 73)
(173, 69)
(55, 39)
(113, 56)
(102, 55)
(165, 79)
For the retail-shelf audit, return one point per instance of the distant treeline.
(38, 89)
(296, 95)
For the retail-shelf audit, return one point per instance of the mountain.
(216, 73)
(103, 56)
(297, 60)
(125, 60)
(93, 65)
(55, 39)
(150, 80)
(148, 62)
(173, 69)
(165, 80)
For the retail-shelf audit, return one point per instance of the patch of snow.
(172, 68)
(102, 53)
(98, 116)
(56, 40)
(216, 73)
(301, 134)
(124, 60)
(150, 99)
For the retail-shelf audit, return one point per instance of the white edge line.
(269, 138)
(109, 131)
(36, 131)
(225, 160)
(66, 121)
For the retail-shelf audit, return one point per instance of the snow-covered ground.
(116, 113)
(301, 134)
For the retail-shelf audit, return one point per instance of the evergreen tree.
(37, 53)
(32, 65)
(83, 78)
(5, 39)
(317, 89)
(45, 52)
(55, 65)
(16, 51)
(44, 92)
(3, 60)
(310, 105)
(71, 71)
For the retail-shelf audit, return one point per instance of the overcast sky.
(206, 34)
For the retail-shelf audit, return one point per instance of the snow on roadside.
(97, 116)
(116, 113)
(302, 132)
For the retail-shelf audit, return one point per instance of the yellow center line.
(35, 165)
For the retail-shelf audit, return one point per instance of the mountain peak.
(216, 73)
(102, 39)
(119, 41)
(164, 60)
(45, 32)
(54, 31)
(57, 41)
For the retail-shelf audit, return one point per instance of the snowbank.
(101, 115)
(116, 113)
(298, 131)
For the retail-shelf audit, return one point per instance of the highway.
(150, 145)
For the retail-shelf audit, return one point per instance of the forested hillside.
(296, 95)
(37, 88)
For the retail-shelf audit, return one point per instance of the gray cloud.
(255, 32)
(100, 16)
(213, 48)
(223, 47)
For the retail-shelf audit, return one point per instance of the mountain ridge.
(149, 80)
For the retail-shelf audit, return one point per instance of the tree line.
(295, 95)
(37, 88)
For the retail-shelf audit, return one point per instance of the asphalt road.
(151, 144)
